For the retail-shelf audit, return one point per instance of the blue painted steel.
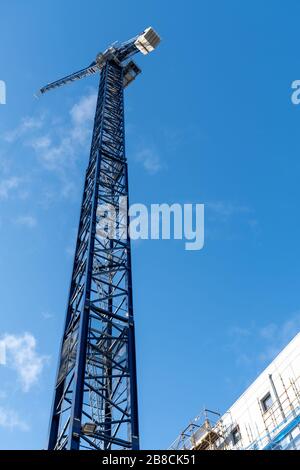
(95, 402)
(119, 54)
(96, 378)
(283, 433)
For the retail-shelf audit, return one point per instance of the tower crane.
(95, 403)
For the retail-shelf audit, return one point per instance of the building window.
(236, 435)
(266, 402)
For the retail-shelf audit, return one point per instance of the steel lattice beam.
(95, 399)
(96, 380)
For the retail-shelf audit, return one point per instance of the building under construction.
(265, 417)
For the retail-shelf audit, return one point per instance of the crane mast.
(95, 403)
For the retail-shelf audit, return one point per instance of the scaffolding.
(204, 433)
(281, 420)
(280, 424)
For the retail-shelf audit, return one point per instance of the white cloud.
(59, 152)
(261, 343)
(84, 110)
(27, 124)
(227, 220)
(39, 143)
(56, 156)
(22, 357)
(57, 144)
(47, 315)
(7, 185)
(9, 419)
(150, 160)
(26, 221)
(226, 209)
(277, 336)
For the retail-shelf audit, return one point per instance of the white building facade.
(265, 417)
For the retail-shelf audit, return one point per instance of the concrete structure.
(266, 416)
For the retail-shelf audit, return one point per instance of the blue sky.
(210, 120)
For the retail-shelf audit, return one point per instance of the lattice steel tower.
(95, 400)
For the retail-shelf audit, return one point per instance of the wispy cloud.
(58, 151)
(276, 336)
(226, 209)
(27, 124)
(226, 219)
(57, 143)
(259, 344)
(47, 315)
(23, 358)
(26, 221)
(83, 111)
(10, 420)
(150, 160)
(40, 143)
(7, 185)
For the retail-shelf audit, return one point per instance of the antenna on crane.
(95, 402)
